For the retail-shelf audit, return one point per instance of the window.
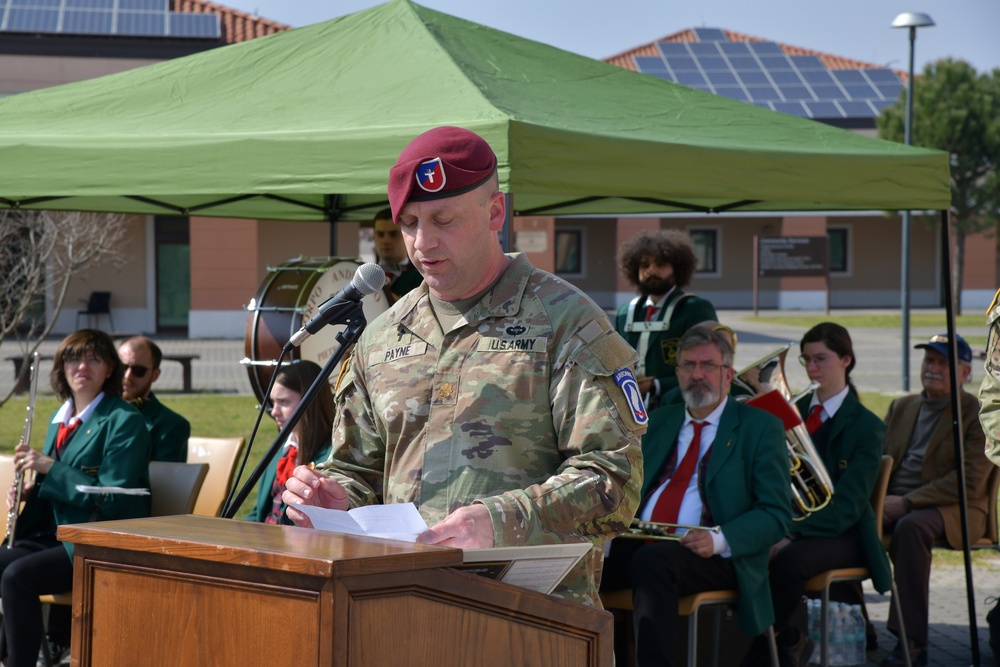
(837, 244)
(569, 252)
(706, 250)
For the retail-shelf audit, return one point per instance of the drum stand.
(354, 318)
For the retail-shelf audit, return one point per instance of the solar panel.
(808, 63)
(857, 109)
(144, 5)
(87, 22)
(763, 93)
(718, 64)
(704, 49)
(859, 91)
(650, 64)
(141, 24)
(682, 63)
(710, 35)
(823, 110)
(690, 78)
(761, 73)
(732, 92)
(674, 49)
(754, 78)
(194, 25)
(882, 76)
(146, 18)
(848, 75)
(889, 91)
(722, 79)
(793, 108)
(32, 20)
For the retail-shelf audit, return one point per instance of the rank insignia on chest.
(630, 388)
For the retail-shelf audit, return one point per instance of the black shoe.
(57, 653)
(895, 657)
(871, 637)
(759, 653)
(795, 654)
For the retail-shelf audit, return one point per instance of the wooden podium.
(193, 590)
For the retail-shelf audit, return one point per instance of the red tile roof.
(236, 26)
(626, 59)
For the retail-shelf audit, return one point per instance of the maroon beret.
(443, 162)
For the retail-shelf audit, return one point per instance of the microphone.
(368, 279)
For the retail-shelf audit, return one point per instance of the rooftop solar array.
(131, 18)
(762, 73)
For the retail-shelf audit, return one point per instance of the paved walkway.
(218, 370)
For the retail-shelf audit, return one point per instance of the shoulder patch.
(630, 388)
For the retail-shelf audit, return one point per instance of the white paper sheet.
(397, 521)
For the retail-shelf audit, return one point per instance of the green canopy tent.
(304, 125)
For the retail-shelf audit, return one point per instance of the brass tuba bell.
(812, 488)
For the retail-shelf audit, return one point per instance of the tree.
(40, 253)
(958, 111)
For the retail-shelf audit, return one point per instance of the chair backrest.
(221, 455)
(6, 479)
(174, 486)
(100, 302)
(879, 491)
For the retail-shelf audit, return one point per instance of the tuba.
(812, 488)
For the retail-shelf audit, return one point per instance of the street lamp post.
(911, 20)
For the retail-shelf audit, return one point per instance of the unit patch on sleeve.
(630, 388)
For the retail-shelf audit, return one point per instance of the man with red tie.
(660, 265)
(709, 461)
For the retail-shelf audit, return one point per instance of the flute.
(12, 513)
(651, 530)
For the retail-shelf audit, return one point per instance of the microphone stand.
(356, 323)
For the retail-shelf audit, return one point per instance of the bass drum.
(290, 294)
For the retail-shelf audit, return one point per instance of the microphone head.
(369, 278)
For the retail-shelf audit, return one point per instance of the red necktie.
(62, 435)
(668, 505)
(650, 310)
(286, 464)
(813, 421)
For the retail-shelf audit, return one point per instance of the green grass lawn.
(872, 321)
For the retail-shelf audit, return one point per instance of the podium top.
(286, 548)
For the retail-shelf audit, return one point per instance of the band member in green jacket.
(95, 439)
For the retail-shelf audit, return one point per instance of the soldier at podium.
(495, 397)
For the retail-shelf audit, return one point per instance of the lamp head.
(912, 20)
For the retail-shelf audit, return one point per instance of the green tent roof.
(305, 124)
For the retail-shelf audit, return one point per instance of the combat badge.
(630, 388)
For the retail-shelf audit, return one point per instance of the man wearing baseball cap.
(495, 397)
(922, 503)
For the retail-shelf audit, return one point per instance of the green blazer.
(111, 448)
(168, 430)
(851, 456)
(264, 500)
(747, 490)
(661, 358)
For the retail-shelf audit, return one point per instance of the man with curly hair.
(659, 264)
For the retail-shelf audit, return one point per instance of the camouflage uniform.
(989, 391)
(516, 409)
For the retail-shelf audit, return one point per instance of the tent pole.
(507, 233)
(956, 424)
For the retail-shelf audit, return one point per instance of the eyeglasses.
(706, 367)
(136, 370)
(818, 359)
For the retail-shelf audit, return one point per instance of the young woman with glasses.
(95, 439)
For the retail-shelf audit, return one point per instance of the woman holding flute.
(94, 439)
(848, 438)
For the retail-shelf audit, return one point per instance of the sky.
(859, 29)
